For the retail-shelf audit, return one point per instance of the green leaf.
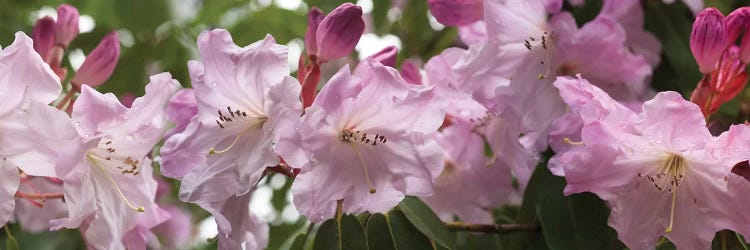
(299, 242)
(555, 220)
(672, 24)
(427, 222)
(394, 232)
(11, 244)
(541, 182)
(339, 235)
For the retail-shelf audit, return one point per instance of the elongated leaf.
(427, 222)
(299, 242)
(394, 232)
(346, 234)
(555, 220)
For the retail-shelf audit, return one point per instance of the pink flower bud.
(386, 56)
(66, 28)
(339, 32)
(410, 72)
(100, 63)
(314, 16)
(738, 23)
(44, 36)
(709, 39)
(456, 12)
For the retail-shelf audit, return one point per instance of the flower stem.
(741, 240)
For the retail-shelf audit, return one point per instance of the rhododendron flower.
(28, 86)
(524, 52)
(182, 107)
(108, 184)
(629, 14)
(365, 140)
(35, 214)
(659, 169)
(471, 184)
(237, 224)
(244, 95)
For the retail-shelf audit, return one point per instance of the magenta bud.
(339, 32)
(709, 39)
(386, 56)
(66, 28)
(44, 36)
(410, 72)
(100, 63)
(456, 12)
(314, 16)
(738, 23)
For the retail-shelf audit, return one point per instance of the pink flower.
(66, 26)
(387, 56)
(182, 107)
(629, 14)
(108, 179)
(709, 39)
(30, 214)
(245, 96)
(335, 34)
(237, 224)
(514, 69)
(176, 232)
(364, 141)
(44, 36)
(738, 23)
(456, 12)
(26, 119)
(471, 184)
(658, 169)
(100, 63)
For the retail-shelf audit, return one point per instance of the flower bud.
(314, 16)
(738, 23)
(66, 28)
(386, 56)
(410, 72)
(100, 63)
(456, 12)
(339, 32)
(708, 39)
(44, 36)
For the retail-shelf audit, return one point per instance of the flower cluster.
(463, 132)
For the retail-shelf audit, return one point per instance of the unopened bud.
(738, 23)
(456, 12)
(44, 36)
(314, 17)
(339, 32)
(410, 72)
(100, 63)
(66, 28)
(708, 39)
(386, 56)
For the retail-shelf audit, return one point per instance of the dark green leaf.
(395, 232)
(346, 234)
(555, 221)
(425, 220)
(299, 242)
(541, 182)
(672, 24)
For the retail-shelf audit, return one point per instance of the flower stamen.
(92, 158)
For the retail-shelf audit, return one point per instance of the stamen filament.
(568, 141)
(236, 139)
(364, 167)
(114, 184)
(671, 212)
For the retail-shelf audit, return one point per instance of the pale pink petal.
(8, 187)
